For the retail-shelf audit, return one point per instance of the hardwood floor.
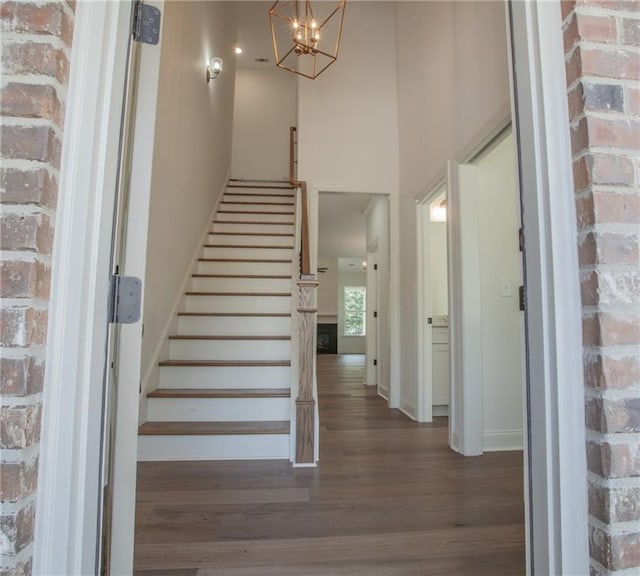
(387, 499)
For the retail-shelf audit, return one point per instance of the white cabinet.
(440, 336)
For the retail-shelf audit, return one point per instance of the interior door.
(465, 317)
(372, 319)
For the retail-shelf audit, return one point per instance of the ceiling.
(254, 35)
(342, 231)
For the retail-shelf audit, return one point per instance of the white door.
(465, 316)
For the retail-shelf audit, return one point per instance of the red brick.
(603, 97)
(611, 460)
(618, 5)
(32, 232)
(20, 279)
(609, 169)
(32, 18)
(21, 376)
(611, 505)
(615, 551)
(589, 289)
(30, 143)
(616, 208)
(582, 173)
(31, 101)
(19, 426)
(596, 28)
(17, 480)
(631, 32)
(35, 58)
(570, 33)
(632, 101)
(576, 101)
(613, 416)
(567, 7)
(585, 211)
(611, 372)
(20, 568)
(609, 63)
(618, 249)
(28, 187)
(579, 137)
(609, 329)
(22, 327)
(613, 133)
(17, 530)
(574, 66)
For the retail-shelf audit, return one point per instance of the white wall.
(349, 344)
(266, 103)
(501, 319)
(452, 77)
(328, 290)
(378, 226)
(348, 115)
(192, 153)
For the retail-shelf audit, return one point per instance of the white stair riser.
(259, 198)
(249, 304)
(218, 409)
(256, 253)
(248, 239)
(252, 228)
(230, 447)
(218, 284)
(282, 207)
(230, 267)
(226, 217)
(229, 350)
(234, 326)
(224, 376)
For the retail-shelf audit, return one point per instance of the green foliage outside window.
(355, 310)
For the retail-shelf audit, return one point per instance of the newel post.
(305, 402)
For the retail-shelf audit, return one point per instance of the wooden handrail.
(305, 260)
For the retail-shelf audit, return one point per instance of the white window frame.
(344, 310)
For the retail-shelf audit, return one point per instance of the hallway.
(388, 498)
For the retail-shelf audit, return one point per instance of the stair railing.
(306, 405)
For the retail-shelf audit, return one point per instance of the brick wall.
(36, 41)
(602, 40)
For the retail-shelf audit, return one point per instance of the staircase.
(224, 392)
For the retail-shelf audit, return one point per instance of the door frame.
(424, 335)
(67, 506)
(373, 304)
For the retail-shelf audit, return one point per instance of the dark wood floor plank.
(388, 498)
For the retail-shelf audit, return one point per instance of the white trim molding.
(557, 503)
(66, 540)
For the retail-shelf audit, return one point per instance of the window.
(355, 310)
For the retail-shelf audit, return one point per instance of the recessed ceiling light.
(238, 50)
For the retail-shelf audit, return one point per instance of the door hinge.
(522, 298)
(375, 314)
(125, 299)
(146, 23)
(375, 361)
(429, 320)
(521, 239)
(375, 266)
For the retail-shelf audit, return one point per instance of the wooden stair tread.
(266, 195)
(242, 202)
(216, 337)
(261, 186)
(239, 363)
(252, 222)
(251, 234)
(240, 314)
(213, 428)
(268, 180)
(255, 212)
(252, 246)
(220, 393)
(241, 260)
(278, 294)
(258, 276)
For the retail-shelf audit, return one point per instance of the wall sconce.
(214, 68)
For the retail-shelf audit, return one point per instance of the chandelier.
(306, 35)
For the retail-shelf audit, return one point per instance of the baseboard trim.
(408, 410)
(503, 440)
